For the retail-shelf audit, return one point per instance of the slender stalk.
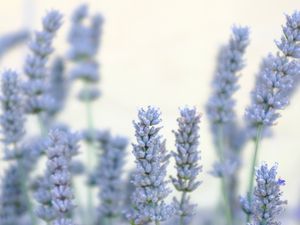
(228, 212)
(225, 194)
(253, 165)
(181, 220)
(157, 222)
(90, 155)
(42, 126)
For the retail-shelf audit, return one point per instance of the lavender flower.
(55, 193)
(149, 180)
(13, 203)
(230, 62)
(275, 80)
(84, 41)
(267, 204)
(35, 68)
(220, 111)
(187, 159)
(12, 118)
(109, 177)
(58, 86)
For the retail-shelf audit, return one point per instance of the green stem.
(42, 126)
(90, 152)
(226, 202)
(157, 223)
(225, 193)
(253, 165)
(181, 220)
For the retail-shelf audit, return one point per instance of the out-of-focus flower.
(12, 118)
(36, 87)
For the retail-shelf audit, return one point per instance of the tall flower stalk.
(187, 159)
(274, 85)
(12, 122)
(220, 107)
(36, 88)
(84, 41)
(149, 178)
(110, 180)
(55, 192)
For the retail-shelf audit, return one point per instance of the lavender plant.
(142, 192)
(84, 43)
(267, 200)
(55, 193)
(187, 159)
(58, 86)
(274, 84)
(110, 180)
(36, 89)
(220, 111)
(13, 202)
(151, 164)
(12, 118)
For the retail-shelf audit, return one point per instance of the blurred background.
(163, 53)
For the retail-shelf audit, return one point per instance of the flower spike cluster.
(109, 177)
(275, 80)
(12, 198)
(85, 42)
(35, 68)
(149, 178)
(230, 62)
(12, 117)
(267, 204)
(58, 85)
(187, 159)
(55, 193)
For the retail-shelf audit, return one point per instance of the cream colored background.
(162, 52)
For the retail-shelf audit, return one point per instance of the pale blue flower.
(55, 192)
(109, 177)
(149, 178)
(276, 79)
(35, 68)
(13, 203)
(220, 107)
(267, 201)
(12, 117)
(187, 159)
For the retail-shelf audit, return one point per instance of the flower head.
(267, 202)
(187, 159)
(55, 192)
(12, 117)
(230, 62)
(149, 178)
(36, 88)
(109, 176)
(276, 79)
